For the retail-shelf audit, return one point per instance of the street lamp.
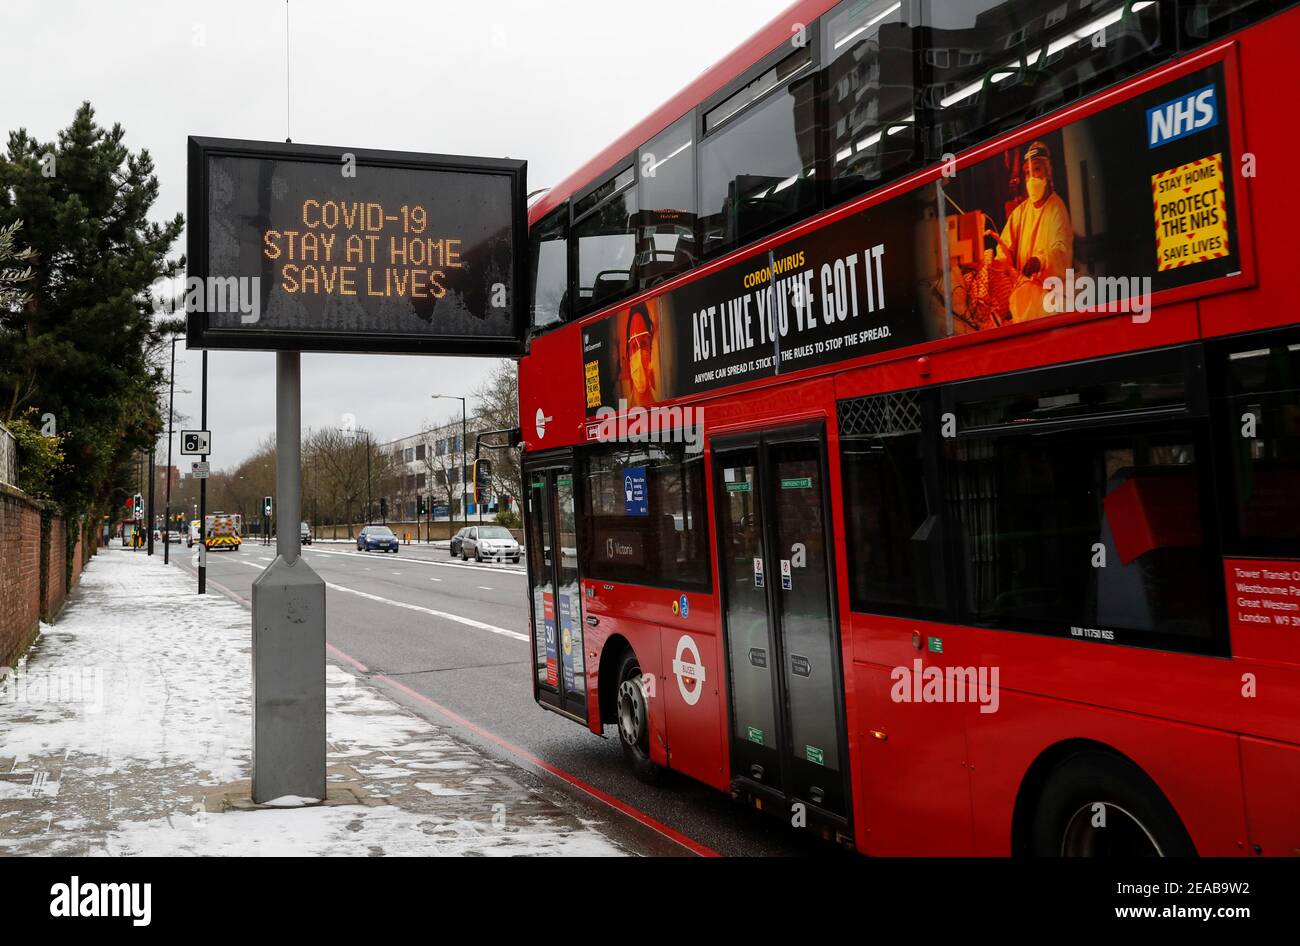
(369, 450)
(464, 488)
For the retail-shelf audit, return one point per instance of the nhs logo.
(1181, 117)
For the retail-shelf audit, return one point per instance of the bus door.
(788, 738)
(560, 679)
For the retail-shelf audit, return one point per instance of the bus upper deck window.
(548, 267)
(867, 50)
(605, 234)
(993, 64)
(758, 156)
(666, 242)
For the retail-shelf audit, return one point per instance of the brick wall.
(36, 570)
(20, 573)
(54, 570)
(79, 557)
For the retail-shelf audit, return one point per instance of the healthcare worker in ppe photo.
(640, 362)
(1038, 240)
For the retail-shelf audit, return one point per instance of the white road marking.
(484, 588)
(482, 568)
(445, 615)
(497, 570)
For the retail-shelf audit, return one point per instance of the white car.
(489, 542)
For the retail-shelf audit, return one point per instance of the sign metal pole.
(153, 476)
(203, 488)
(288, 627)
(171, 414)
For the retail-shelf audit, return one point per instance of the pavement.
(127, 731)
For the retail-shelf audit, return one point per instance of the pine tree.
(80, 349)
(14, 272)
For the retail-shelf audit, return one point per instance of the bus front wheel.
(633, 718)
(1100, 805)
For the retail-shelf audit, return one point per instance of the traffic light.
(139, 507)
(482, 480)
(423, 509)
(266, 506)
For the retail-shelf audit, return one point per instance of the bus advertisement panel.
(1099, 215)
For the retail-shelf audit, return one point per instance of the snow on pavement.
(128, 730)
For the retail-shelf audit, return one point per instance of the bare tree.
(441, 465)
(247, 484)
(337, 459)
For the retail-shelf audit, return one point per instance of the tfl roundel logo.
(688, 670)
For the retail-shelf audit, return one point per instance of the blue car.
(377, 538)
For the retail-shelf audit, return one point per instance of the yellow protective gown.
(1047, 233)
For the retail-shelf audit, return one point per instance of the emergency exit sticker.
(1191, 208)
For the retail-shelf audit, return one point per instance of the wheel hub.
(631, 711)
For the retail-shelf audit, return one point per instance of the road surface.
(428, 628)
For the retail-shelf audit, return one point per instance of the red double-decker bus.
(912, 429)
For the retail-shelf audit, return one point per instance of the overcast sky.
(551, 82)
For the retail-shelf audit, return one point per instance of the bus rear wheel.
(1100, 805)
(633, 719)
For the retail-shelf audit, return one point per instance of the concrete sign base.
(288, 682)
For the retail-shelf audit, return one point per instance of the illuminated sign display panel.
(309, 248)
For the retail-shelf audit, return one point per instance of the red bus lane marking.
(347, 658)
(523, 754)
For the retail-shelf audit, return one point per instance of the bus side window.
(867, 49)
(666, 239)
(892, 506)
(1081, 503)
(758, 156)
(643, 518)
(992, 65)
(548, 267)
(604, 235)
(1261, 431)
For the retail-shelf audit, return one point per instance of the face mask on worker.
(1037, 188)
(638, 371)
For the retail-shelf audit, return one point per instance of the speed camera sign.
(196, 442)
